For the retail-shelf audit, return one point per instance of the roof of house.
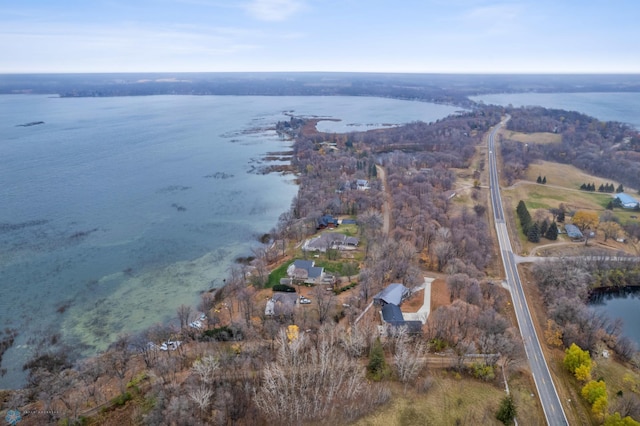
(327, 220)
(329, 239)
(303, 264)
(392, 294)
(391, 313)
(573, 231)
(626, 198)
(353, 241)
(299, 267)
(315, 271)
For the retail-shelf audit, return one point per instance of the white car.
(196, 324)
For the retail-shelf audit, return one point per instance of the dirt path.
(386, 206)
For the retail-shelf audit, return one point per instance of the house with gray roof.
(306, 271)
(393, 294)
(573, 232)
(331, 240)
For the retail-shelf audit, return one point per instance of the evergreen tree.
(507, 411)
(583, 187)
(539, 180)
(377, 367)
(620, 188)
(533, 233)
(601, 188)
(544, 180)
(617, 203)
(544, 226)
(561, 216)
(552, 232)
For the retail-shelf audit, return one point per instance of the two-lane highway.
(547, 393)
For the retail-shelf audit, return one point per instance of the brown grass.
(440, 295)
(455, 400)
(541, 138)
(565, 175)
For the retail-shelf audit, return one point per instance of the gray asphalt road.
(547, 393)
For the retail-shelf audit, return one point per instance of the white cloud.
(273, 10)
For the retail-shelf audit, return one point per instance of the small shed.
(573, 232)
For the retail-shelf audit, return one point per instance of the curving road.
(553, 411)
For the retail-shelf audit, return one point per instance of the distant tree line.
(606, 149)
(607, 188)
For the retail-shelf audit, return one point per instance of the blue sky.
(460, 36)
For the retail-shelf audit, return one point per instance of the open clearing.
(533, 138)
(565, 175)
(453, 400)
(538, 196)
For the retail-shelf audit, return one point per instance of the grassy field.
(533, 138)
(537, 196)
(566, 176)
(453, 400)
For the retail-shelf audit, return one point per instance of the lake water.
(623, 305)
(117, 210)
(622, 107)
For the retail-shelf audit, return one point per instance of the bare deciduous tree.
(409, 359)
(202, 397)
(325, 301)
(206, 368)
(185, 315)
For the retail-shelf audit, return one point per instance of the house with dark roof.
(393, 318)
(326, 221)
(573, 232)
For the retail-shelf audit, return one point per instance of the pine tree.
(561, 216)
(533, 233)
(539, 180)
(544, 227)
(377, 367)
(544, 180)
(507, 411)
(620, 188)
(552, 232)
(601, 188)
(583, 187)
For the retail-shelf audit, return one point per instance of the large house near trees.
(390, 299)
(305, 271)
(626, 201)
